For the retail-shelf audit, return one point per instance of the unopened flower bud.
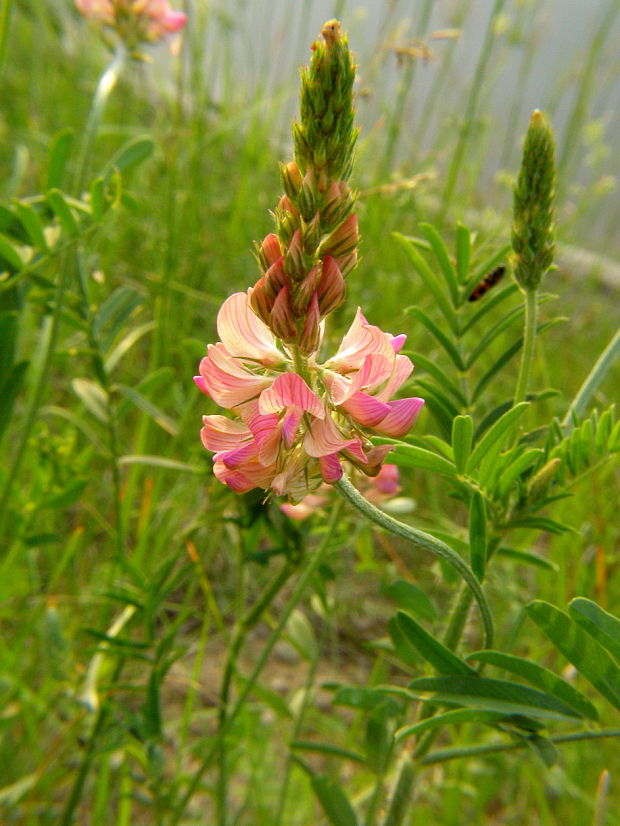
(294, 260)
(281, 320)
(304, 291)
(275, 278)
(541, 481)
(343, 240)
(331, 286)
(259, 302)
(311, 331)
(312, 235)
(291, 179)
(532, 228)
(270, 250)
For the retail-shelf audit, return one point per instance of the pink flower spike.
(290, 390)
(243, 334)
(401, 417)
(365, 409)
(331, 469)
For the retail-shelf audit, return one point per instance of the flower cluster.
(135, 21)
(296, 418)
(293, 425)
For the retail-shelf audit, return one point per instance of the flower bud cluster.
(532, 228)
(305, 262)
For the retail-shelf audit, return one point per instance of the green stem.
(529, 343)
(314, 562)
(492, 748)
(403, 792)
(421, 540)
(106, 84)
(239, 636)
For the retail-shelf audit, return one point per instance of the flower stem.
(313, 563)
(421, 540)
(529, 342)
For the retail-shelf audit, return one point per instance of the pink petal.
(400, 419)
(398, 342)
(324, 438)
(402, 369)
(361, 340)
(289, 390)
(219, 433)
(331, 469)
(365, 409)
(239, 457)
(290, 423)
(226, 379)
(243, 334)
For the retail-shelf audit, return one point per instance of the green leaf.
(334, 801)
(57, 202)
(158, 416)
(463, 251)
(427, 365)
(411, 598)
(93, 396)
(60, 153)
(527, 558)
(543, 748)
(439, 335)
(540, 677)
(600, 625)
(10, 253)
(497, 431)
(489, 337)
(493, 695)
(430, 281)
(447, 405)
(441, 254)
(67, 496)
(585, 653)
(478, 534)
(329, 750)
(366, 699)
(301, 635)
(32, 224)
(99, 203)
(125, 344)
(541, 523)
(459, 715)
(9, 390)
(462, 433)
(161, 462)
(406, 455)
(441, 658)
(378, 741)
(516, 469)
(113, 313)
(133, 153)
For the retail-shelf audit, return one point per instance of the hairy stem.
(529, 343)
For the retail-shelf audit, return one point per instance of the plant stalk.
(529, 344)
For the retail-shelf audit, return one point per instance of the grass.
(87, 536)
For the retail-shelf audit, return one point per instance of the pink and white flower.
(134, 20)
(290, 432)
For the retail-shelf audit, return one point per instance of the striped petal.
(324, 438)
(226, 379)
(219, 433)
(362, 339)
(331, 469)
(243, 334)
(290, 423)
(290, 390)
(365, 409)
(401, 417)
